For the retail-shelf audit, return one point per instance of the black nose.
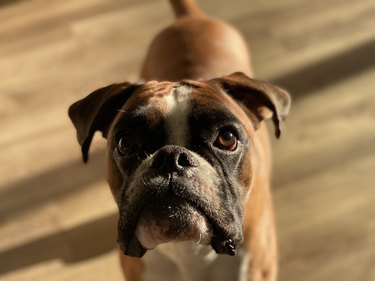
(172, 158)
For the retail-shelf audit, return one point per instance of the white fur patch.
(178, 104)
(186, 261)
(244, 268)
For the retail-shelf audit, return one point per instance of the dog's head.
(180, 155)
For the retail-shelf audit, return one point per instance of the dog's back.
(195, 47)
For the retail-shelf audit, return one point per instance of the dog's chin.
(172, 220)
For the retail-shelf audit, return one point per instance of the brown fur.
(202, 48)
(132, 268)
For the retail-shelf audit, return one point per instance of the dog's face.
(180, 156)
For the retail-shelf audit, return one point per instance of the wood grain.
(57, 216)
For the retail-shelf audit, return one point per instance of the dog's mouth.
(172, 219)
(175, 212)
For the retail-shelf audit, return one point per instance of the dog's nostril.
(186, 160)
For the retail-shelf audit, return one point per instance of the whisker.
(144, 181)
(200, 239)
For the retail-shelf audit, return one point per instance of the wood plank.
(327, 224)
(54, 52)
(327, 128)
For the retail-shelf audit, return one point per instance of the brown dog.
(189, 160)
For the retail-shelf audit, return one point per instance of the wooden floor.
(57, 217)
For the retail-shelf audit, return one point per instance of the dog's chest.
(186, 261)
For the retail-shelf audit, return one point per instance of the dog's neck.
(187, 261)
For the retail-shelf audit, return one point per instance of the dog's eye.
(226, 140)
(127, 146)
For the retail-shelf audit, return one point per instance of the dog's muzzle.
(169, 206)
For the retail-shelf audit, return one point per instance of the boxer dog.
(189, 157)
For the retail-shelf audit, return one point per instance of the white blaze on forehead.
(178, 109)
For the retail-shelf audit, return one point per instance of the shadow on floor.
(330, 71)
(73, 245)
(25, 195)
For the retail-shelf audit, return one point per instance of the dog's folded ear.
(263, 99)
(96, 112)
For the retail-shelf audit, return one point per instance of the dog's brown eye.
(226, 140)
(127, 146)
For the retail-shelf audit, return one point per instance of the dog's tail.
(185, 8)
